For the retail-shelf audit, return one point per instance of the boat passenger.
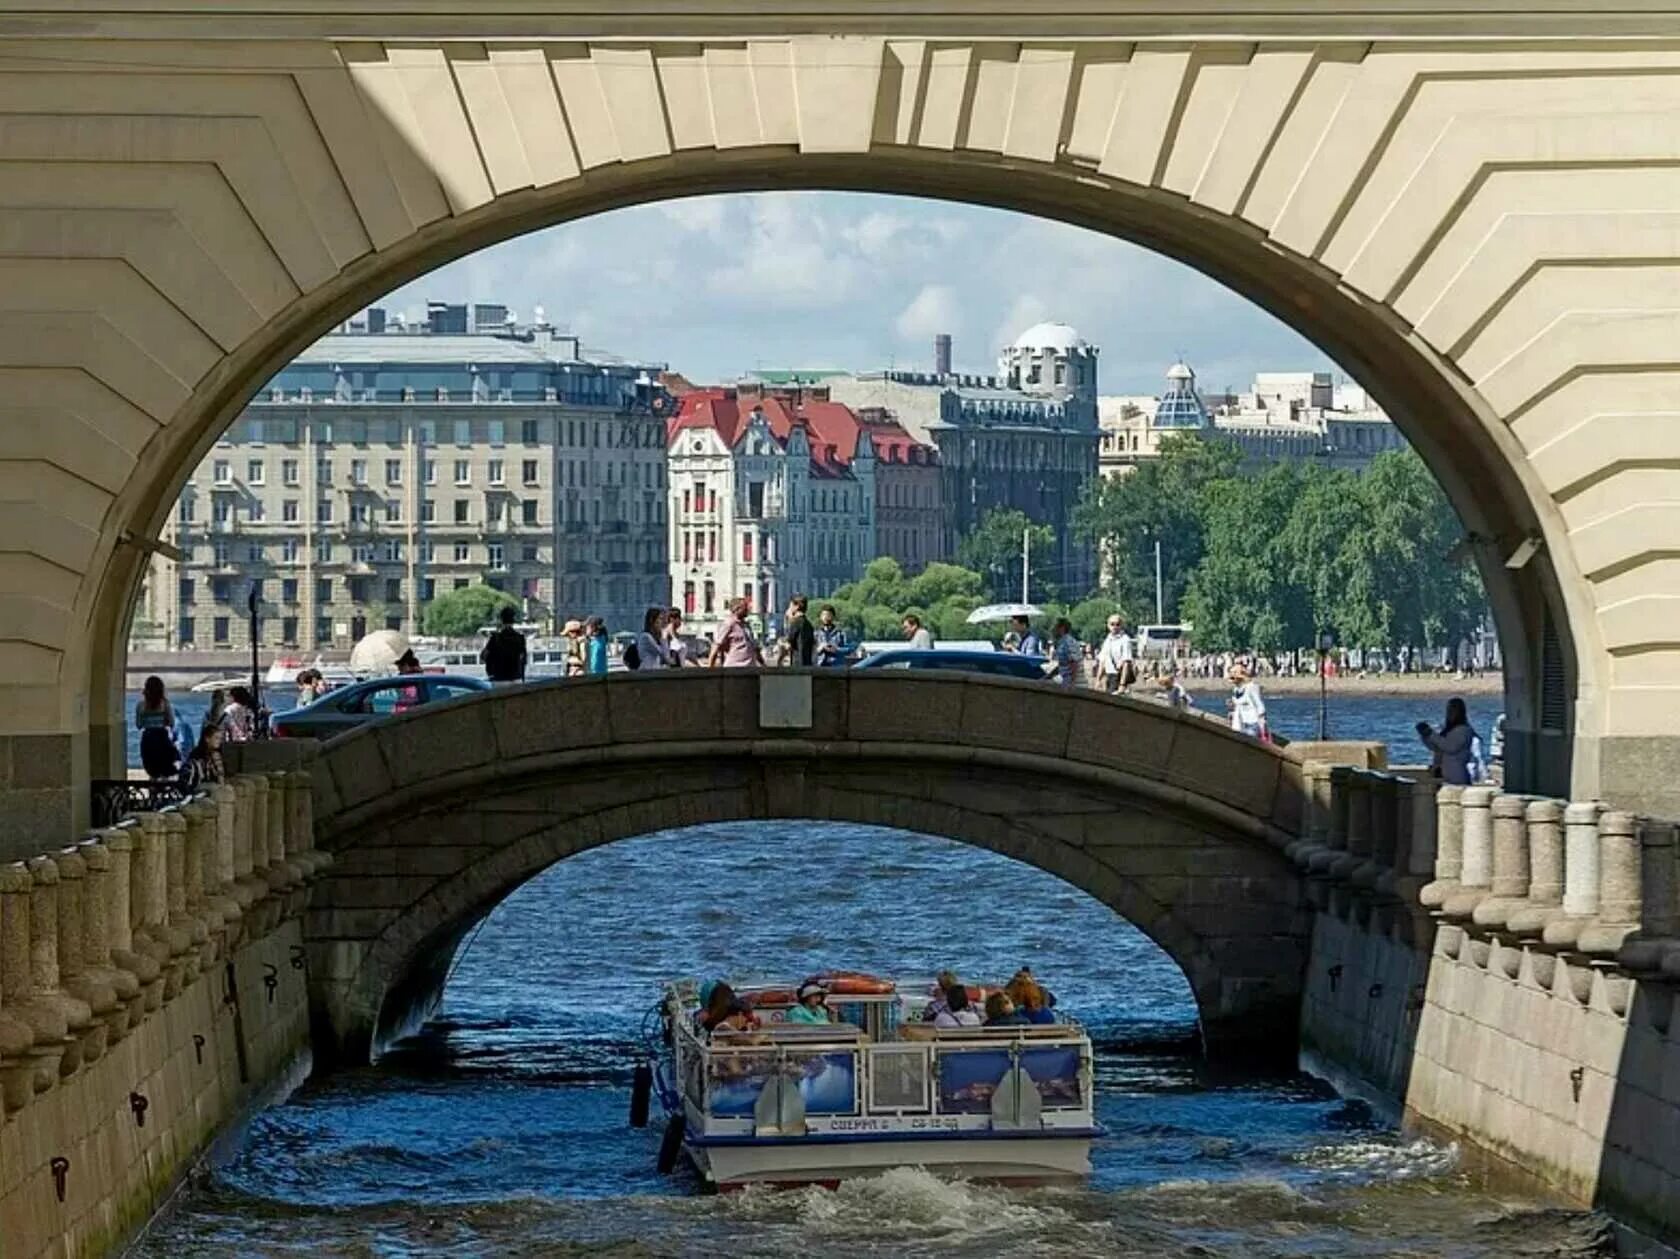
(1029, 1000)
(811, 1007)
(945, 980)
(722, 1011)
(957, 1011)
(1001, 1012)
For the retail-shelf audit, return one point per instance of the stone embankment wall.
(1506, 969)
(152, 985)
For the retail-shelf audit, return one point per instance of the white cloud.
(715, 285)
(1024, 312)
(932, 310)
(697, 214)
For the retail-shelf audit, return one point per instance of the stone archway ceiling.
(169, 204)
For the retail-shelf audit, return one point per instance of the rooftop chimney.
(942, 354)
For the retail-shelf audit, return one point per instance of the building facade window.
(463, 472)
(255, 472)
(497, 560)
(463, 552)
(220, 629)
(463, 511)
(528, 471)
(495, 474)
(289, 471)
(221, 472)
(393, 472)
(323, 590)
(529, 433)
(428, 511)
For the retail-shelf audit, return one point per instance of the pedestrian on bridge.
(735, 647)
(504, 653)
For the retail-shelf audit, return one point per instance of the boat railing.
(945, 1076)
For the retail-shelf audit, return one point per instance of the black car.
(1000, 664)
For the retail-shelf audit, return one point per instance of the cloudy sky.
(718, 286)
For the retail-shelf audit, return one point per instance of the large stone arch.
(1172, 821)
(1479, 226)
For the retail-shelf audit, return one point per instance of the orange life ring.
(771, 996)
(855, 984)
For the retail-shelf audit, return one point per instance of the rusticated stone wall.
(152, 988)
(1505, 971)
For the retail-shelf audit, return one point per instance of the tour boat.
(880, 1087)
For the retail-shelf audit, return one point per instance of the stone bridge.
(1173, 821)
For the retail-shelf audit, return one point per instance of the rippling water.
(501, 1129)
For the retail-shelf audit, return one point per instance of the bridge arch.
(1171, 820)
(189, 202)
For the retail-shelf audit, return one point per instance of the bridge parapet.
(1507, 968)
(150, 987)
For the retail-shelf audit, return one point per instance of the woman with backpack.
(649, 650)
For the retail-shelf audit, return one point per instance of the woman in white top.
(957, 1011)
(651, 649)
(1248, 709)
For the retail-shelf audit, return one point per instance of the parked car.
(1001, 664)
(361, 702)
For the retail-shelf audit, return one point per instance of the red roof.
(831, 427)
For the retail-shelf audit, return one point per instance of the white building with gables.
(769, 497)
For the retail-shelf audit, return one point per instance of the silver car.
(361, 702)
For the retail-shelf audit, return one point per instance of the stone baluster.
(1659, 917)
(1619, 892)
(129, 952)
(1312, 825)
(1358, 847)
(74, 976)
(1449, 847)
(1476, 875)
(285, 874)
(202, 902)
(1418, 856)
(30, 1065)
(150, 900)
(1580, 875)
(88, 1034)
(187, 930)
(1321, 861)
(97, 936)
(1544, 820)
(1376, 873)
(229, 889)
(252, 889)
(300, 823)
(1510, 878)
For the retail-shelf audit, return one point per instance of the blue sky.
(717, 286)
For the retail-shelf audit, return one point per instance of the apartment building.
(769, 497)
(380, 470)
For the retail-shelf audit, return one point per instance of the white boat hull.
(1012, 1160)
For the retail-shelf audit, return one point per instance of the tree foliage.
(993, 550)
(460, 613)
(1164, 500)
(1305, 548)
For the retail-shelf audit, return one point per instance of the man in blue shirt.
(1031, 645)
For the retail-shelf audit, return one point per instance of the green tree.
(993, 550)
(1161, 501)
(460, 613)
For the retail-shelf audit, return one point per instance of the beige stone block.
(835, 84)
(1135, 149)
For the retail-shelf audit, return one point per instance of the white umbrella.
(1003, 612)
(377, 653)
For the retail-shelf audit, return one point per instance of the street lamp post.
(1326, 640)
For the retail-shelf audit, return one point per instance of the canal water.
(501, 1128)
